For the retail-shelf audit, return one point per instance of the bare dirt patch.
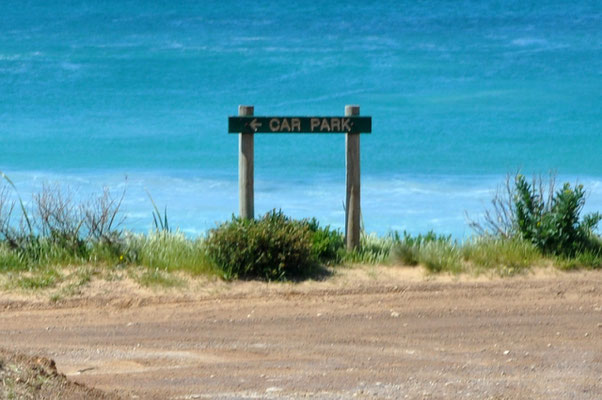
(24, 377)
(366, 332)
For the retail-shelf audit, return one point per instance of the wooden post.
(245, 168)
(352, 162)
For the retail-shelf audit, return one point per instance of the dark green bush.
(273, 247)
(553, 224)
(327, 244)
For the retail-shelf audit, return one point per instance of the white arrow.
(254, 124)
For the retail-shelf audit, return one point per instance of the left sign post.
(245, 167)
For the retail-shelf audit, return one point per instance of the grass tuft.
(441, 256)
(156, 277)
(585, 260)
(39, 279)
(168, 252)
(372, 250)
(505, 257)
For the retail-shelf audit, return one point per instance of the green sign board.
(299, 124)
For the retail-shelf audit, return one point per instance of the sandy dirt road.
(367, 334)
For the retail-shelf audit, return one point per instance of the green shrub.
(273, 248)
(553, 223)
(327, 244)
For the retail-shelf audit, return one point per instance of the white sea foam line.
(529, 41)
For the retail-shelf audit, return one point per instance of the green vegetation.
(503, 256)
(327, 245)
(165, 251)
(412, 250)
(530, 224)
(156, 277)
(554, 224)
(273, 247)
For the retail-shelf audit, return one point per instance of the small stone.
(319, 314)
(506, 352)
(395, 314)
(599, 324)
(549, 344)
(586, 334)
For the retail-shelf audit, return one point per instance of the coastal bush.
(57, 217)
(273, 247)
(101, 217)
(57, 230)
(327, 244)
(539, 213)
(553, 223)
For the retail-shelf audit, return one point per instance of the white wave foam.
(196, 203)
(528, 41)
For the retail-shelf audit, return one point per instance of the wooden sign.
(299, 124)
(246, 125)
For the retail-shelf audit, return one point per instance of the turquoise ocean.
(136, 94)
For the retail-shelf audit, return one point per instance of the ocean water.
(135, 95)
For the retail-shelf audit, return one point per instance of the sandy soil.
(23, 377)
(371, 332)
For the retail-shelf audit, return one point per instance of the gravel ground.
(373, 332)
